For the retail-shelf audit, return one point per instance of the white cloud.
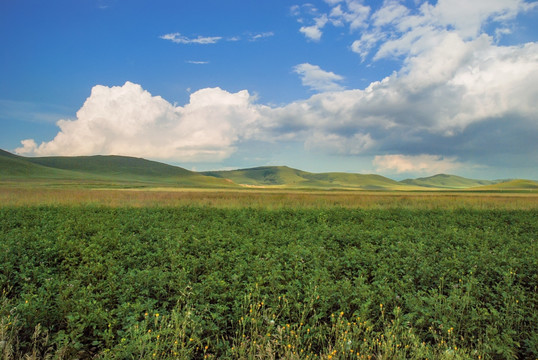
(180, 39)
(459, 99)
(390, 12)
(128, 120)
(399, 32)
(356, 15)
(317, 79)
(313, 32)
(427, 164)
(443, 101)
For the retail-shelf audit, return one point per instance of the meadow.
(132, 274)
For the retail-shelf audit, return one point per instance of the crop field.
(267, 275)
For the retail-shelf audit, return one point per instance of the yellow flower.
(157, 315)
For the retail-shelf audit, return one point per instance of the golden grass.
(27, 196)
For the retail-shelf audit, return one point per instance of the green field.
(290, 283)
(112, 257)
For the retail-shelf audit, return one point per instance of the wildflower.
(157, 315)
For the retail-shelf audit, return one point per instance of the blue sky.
(400, 88)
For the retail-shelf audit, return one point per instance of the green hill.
(124, 171)
(13, 167)
(444, 181)
(518, 184)
(103, 170)
(261, 176)
(288, 177)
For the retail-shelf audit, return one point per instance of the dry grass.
(27, 196)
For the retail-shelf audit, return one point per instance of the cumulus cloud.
(462, 100)
(317, 79)
(428, 164)
(443, 101)
(459, 98)
(180, 39)
(128, 120)
(397, 31)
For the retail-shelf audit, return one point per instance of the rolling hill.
(518, 184)
(128, 172)
(286, 176)
(444, 181)
(102, 170)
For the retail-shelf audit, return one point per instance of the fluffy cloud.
(458, 95)
(459, 98)
(430, 164)
(317, 79)
(399, 32)
(128, 120)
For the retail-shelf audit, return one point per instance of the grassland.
(263, 198)
(121, 258)
(196, 282)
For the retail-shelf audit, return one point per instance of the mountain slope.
(120, 170)
(286, 176)
(444, 181)
(518, 184)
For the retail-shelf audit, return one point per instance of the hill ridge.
(135, 171)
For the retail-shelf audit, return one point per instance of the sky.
(407, 88)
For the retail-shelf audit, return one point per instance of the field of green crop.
(201, 282)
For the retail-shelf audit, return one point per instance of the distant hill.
(444, 181)
(119, 170)
(289, 177)
(511, 185)
(125, 171)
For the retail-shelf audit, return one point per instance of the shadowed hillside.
(128, 172)
(445, 181)
(285, 176)
(102, 170)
